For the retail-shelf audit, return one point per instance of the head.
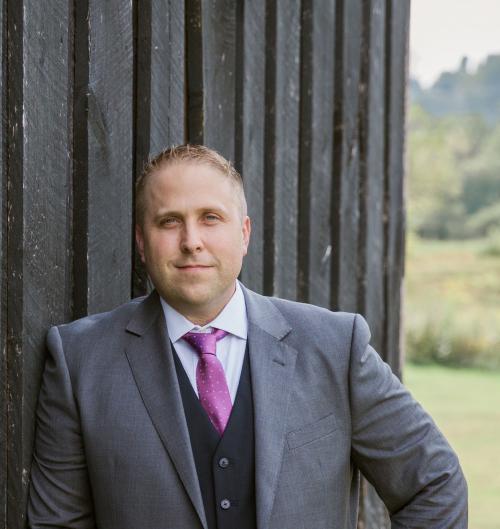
(192, 228)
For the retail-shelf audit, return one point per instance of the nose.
(191, 241)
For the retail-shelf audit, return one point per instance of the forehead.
(189, 183)
(194, 173)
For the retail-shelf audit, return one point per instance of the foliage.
(452, 314)
(484, 222)
(453, 174)
(443, 343)
(454, 153)
(492, 246)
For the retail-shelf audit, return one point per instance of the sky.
(443, 31)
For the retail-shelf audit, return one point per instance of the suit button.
(223, 462)
(225, 504)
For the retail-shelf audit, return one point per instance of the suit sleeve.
(59, 494)
(399, 449)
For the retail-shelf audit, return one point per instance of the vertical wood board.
(345, 199)
(3, 298)
(316, 151)
(282, 141)
(15, 375)
(249, 140)
(110, 154)
(219, 75)
(372, 150)
(397, 67)
(39, 198)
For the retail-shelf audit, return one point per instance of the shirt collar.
(232, 318)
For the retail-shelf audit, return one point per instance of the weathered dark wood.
(167, 75)
(316, 151)
(159, 83)
(103, 234)
(212, 73)
(159, 90)
(372, 166)
(194, 72)
(39, 173)
(16, 418)
(345, 200)
(249, 139)
(282, 142)
(219, 68)
(3, 269)
(398, 16)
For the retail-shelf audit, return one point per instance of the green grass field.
(465, 403)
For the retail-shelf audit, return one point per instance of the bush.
(485, 221)
(492, 245)
(445, 345)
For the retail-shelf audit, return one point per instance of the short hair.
(186, 153)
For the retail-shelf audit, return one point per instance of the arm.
(59, 491)
(398, 447)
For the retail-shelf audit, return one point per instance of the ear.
(139, 240)
(246, 230)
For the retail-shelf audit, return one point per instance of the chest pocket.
(311, 432)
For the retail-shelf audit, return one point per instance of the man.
(207, 405)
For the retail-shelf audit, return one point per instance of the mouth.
(192, 267)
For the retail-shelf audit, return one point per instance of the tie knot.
(204, 342)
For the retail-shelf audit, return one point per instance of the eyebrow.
(177, 213)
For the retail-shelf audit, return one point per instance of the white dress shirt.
(230, 349)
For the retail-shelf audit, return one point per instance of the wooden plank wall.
(307, 98)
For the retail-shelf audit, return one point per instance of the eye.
(211, 217)
(169, 221)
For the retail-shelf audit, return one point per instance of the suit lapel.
(272, 363)
(150, 358)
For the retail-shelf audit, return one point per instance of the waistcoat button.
(225, 504)
(223, 462)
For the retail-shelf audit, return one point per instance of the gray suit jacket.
(112, 446)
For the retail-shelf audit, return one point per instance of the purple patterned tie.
(210, 378)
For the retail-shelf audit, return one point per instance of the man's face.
(193, 238)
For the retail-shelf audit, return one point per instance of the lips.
(193, 267)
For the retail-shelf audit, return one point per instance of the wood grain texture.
(39, 262)
(3, 268)
(398, 14)
(211, 73)
(159, 84)
(372, 123)
(282, 142)
(219, 75)
(15, 375)
(104, 232)
(316, 151)
(194, 72)
(345, 196)
(250, 122)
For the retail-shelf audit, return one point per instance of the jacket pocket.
(311, 432)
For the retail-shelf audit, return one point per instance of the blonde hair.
(186, 153)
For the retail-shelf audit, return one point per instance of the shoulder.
(97, 326)
(311, 320)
